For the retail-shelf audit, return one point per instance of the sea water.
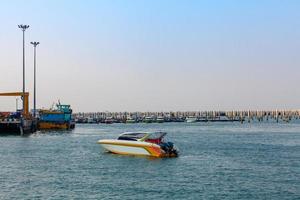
(217, 161)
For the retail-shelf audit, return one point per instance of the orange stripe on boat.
(154, 151)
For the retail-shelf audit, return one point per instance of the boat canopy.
(142, 136)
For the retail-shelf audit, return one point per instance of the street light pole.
(17, 104)
(23, 28)
(34, 91)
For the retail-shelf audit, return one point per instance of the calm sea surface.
(217, 161)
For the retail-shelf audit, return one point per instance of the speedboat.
(140, 143)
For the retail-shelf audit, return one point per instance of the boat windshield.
(132, 136)
(156, 137)
(153, 137)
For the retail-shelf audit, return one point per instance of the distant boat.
(160, 119)
(58, 118)
(130, 120)
(148, 119)
(91, 120)
(191, 119)
(109, 120)
(223, 118)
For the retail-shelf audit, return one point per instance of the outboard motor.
(169, 148)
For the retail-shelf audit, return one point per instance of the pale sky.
(138, 55)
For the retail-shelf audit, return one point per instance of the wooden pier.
(200, 116)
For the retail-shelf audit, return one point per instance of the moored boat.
(140, 143)
(130, 120)
(191, 119)
(148, 119)
(17, 126)
(160, 119)
(19, 122)
(109, 120)
(59, 118)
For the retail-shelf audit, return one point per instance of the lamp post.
(34, 90)
(23, 28)
(17, 104)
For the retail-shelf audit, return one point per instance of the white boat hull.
(191, 120)
(132, 148)
(126, 149)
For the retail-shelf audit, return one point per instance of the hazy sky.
(162, 55)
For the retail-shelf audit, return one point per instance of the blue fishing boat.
(58, 118)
